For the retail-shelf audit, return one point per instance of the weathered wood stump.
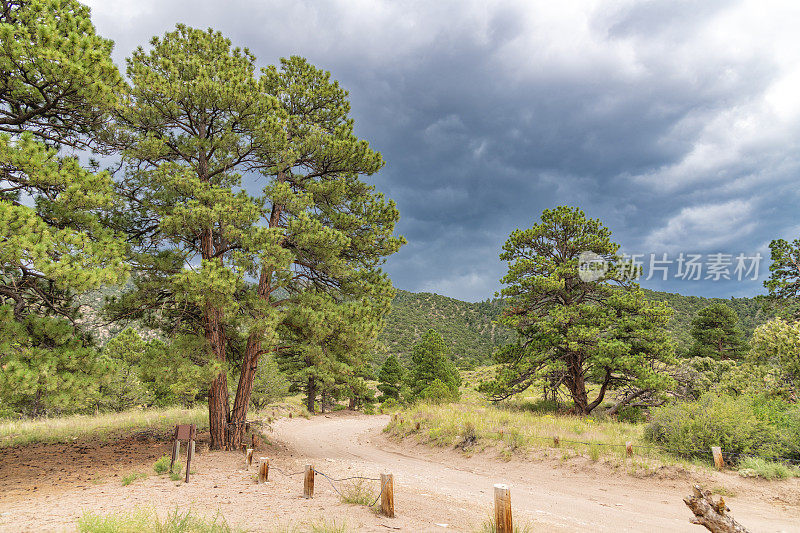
(710, 514)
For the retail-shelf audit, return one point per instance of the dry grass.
(147, 521)
(513, 429)
(69, 428)
(77, 427)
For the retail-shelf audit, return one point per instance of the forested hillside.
(749, 311)
(469, 328)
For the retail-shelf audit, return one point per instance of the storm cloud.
(674, 122)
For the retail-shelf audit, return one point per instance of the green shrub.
(740, 425)
(389, 405)
(161, 466)
(763, 468)
(633, 415)
(438, 392)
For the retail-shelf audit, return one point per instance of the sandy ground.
(48, 487)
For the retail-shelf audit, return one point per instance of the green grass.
(490, 526)
(142, 521)
(316, 526)
(161, 466)
(358, 492)
(763, 468)
(78, 427)
(464, 424)
(133, 476)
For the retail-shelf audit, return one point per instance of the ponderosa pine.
(57, 87)
(578, 334)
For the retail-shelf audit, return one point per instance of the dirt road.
(446, 488)
(49, 487)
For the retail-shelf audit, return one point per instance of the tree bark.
(628, 398)
(218, 405)
(711, 514)
(577, 386)
(244, 390)
(253, 350)
(218, 414)
(311, 394)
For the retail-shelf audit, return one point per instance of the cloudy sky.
(674, 122)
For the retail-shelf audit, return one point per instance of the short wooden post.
(263, 469)
(417, 426)
(308, 482)
(502, 509)
(387, 495)
(176, 452)
(719, 461)
(189, 457)
(629, 448)
(249, 459)
(556, 441)
(290, 414)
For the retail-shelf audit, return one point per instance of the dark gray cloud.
(673, 122)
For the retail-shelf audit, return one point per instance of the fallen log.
(710, 514)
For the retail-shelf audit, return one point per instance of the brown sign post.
(187, 432)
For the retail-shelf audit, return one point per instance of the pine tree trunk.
(218, 404)
(252, 352)
(218, 414)
(244, 391)
(311, 394)
(577, 386)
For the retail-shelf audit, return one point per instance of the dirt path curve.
(444, 487)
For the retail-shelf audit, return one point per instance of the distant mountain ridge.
(469, 327)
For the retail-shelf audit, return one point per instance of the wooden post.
(417, 426)
(290, 414)
(249, 459)
(308, 482)
(387, 495)
(189, 457)
(502, 509)
(719, 461)
(263, 469)
(629, 448)
(176, 452)
(556, 442)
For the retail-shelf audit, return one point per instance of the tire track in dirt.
(550, 497)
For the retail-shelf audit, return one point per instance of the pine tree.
(326, 344)
(336, 231)
(390, 379)
(431, 362)
(579, 332)
(47, 366)
(58, 86)
(717, 334)
(784, 281)
(195, 119)
(270, 384)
